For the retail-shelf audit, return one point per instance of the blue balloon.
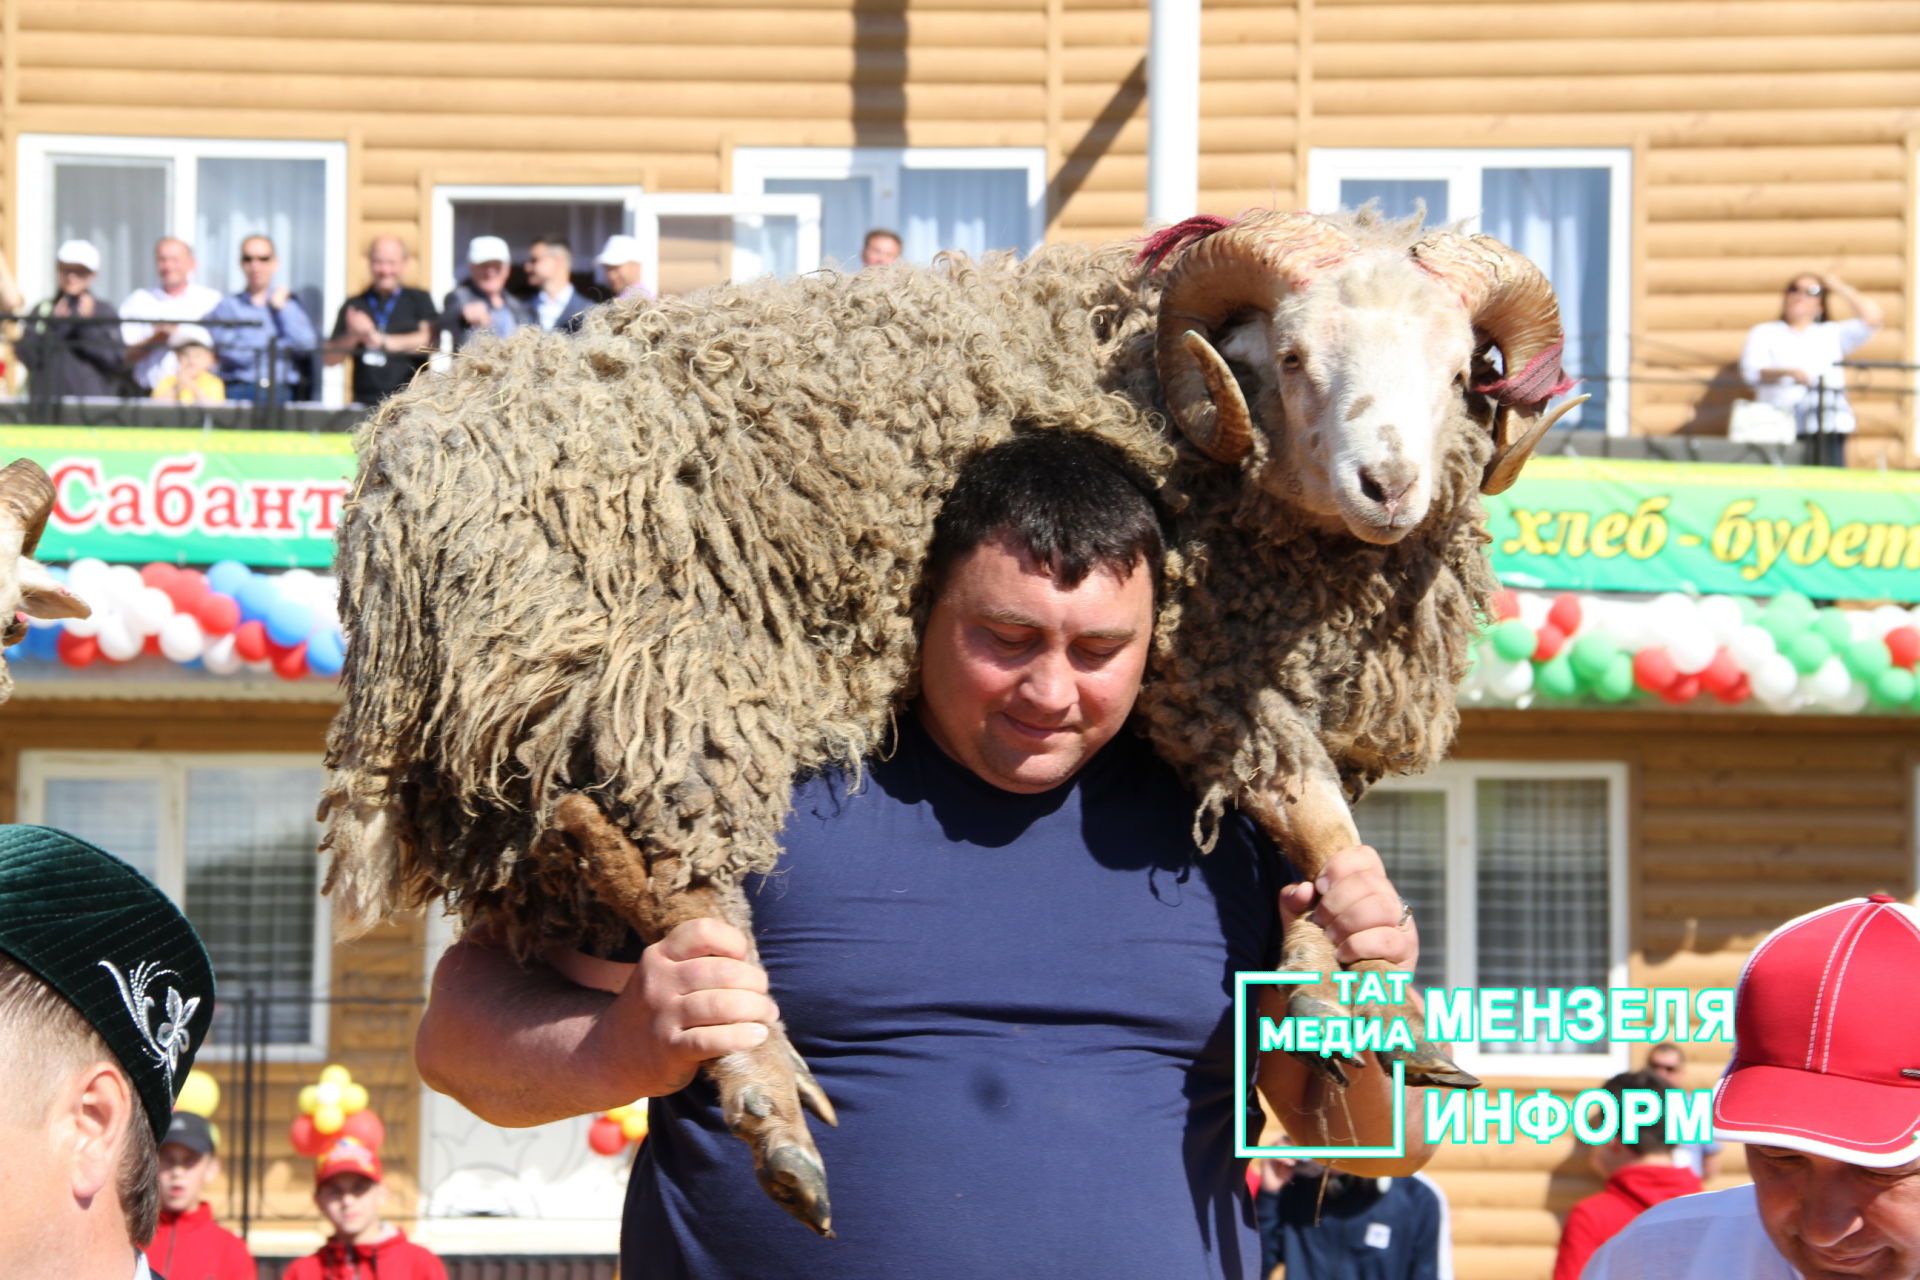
(14, 652)
(59, 573)
(326, 653)
(287, 622)
(228, 577)
(42, 643)
(257, 597)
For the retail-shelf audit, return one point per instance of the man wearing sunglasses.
(278, 325)
(1793, 363)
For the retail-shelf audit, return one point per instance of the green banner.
(135, 494)
(1608, 525)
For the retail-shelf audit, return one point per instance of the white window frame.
(752, 166)
(170, 770)
(34, 200)
(445, 267)
(1457, 780)
(1461, 168)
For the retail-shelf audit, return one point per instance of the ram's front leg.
(1310, 820)
(762, 1091)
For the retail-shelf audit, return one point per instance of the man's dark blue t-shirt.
(1021, 1006)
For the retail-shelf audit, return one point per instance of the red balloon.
(159, 575)
(1903, 643)
(1551, 640)
(218, 614)
(291, 664)
(152, 645)
(307, 1140)
(605, 1137)
(1654, 671)
(365, 1126)
(1681, 691)
(1738, 693)
(1565, 614)
(1505, 605)
(76, 651)
(1721, 674)
(250, 641)
(187, 590)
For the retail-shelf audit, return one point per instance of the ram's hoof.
(792, 1176)
(812, 1096)
(1302, 1003)
(1428, 1067)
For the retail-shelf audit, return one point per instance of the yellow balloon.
(634, 1127)
(328, 1118)
(198, 1094)
(353, 1098)
(218, 1141)
(619, 1114)
(309, 1099)
(336, 1074)
(329, 1094)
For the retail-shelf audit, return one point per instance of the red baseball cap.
(1826, 1027)
(348, 1155)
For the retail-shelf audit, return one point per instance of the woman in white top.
(1794, 362)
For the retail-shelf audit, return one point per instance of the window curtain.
(971, 210)
(284, 200)
(119, 205)
(1398, 197)
(1543, 904)
(846, 214)
(1558, 218)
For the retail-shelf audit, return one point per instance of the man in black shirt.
(67, 342)
(388, 330)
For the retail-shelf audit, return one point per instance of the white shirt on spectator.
(1710, 1236)
(191, 303)
(1818, 349)
(551, 309)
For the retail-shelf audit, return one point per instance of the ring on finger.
(1406, 914)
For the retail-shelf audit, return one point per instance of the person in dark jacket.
(481, 303)
(67, 341)
(1639, 1175)
(189, 1244)
(1328, 1225)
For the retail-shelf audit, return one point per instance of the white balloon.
(220, 657)
(90, 579)
(1830, 682)
(125, 579)
(84, 627)
(1508, 680)
(1722, 616)
(149, 611)
(1692, 650)
(1533, 608)
(1773, 678)
(1853, 701)
(1784, 703)
(1886, 617)
(1751, 646)
(117, 640)
(181, 639)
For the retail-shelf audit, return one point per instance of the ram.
(27, 590)
(610, 595)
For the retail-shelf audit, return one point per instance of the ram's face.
(26, 588)
(1354, 400)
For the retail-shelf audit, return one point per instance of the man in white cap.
(69, 340)
(1824, 1088)
(177, 298)
(480, 303)
(621, 261)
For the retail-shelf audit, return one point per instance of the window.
(969, 199)
(1518, 873)
(232, 839)
(122, 194)
(1567, 209)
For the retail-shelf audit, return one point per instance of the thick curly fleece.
(673, 562)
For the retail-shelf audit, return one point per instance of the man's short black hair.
(1071, 502)
(1651, 1139)
(556, 242)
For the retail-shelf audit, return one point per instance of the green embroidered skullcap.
(102, 935)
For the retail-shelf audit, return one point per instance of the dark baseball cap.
(190, 1131)
(105, 937)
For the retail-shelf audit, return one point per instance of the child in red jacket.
(350, 1194)
(188, 1245)
(1639, 1175)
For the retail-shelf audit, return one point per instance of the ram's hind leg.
(1311, 822)
(762, 1091)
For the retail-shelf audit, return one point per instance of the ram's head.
(1335, 359)
(26, 588)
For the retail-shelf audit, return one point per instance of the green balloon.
(1892, 688)
(1808, 651)
(1593, 655)
(1514, 640)
(1782, 628)
(1555, 678)
(1867, 658)
(1832, 623)
(1749, 609)
(1791, 604)
(1616, 682)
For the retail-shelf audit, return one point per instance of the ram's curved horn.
(1512, 303)
(1246, 266)
(26, 499)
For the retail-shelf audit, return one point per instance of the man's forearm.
(512, 1045)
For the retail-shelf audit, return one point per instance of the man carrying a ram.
(998, 947)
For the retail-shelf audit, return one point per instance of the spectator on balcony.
(1793, 363)
(193, 380)
(550, 270)
(481, 303)
(387, 330)
(274, 322)
(65, 340)
(176, 299)
(880, 249)
(621, 260)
